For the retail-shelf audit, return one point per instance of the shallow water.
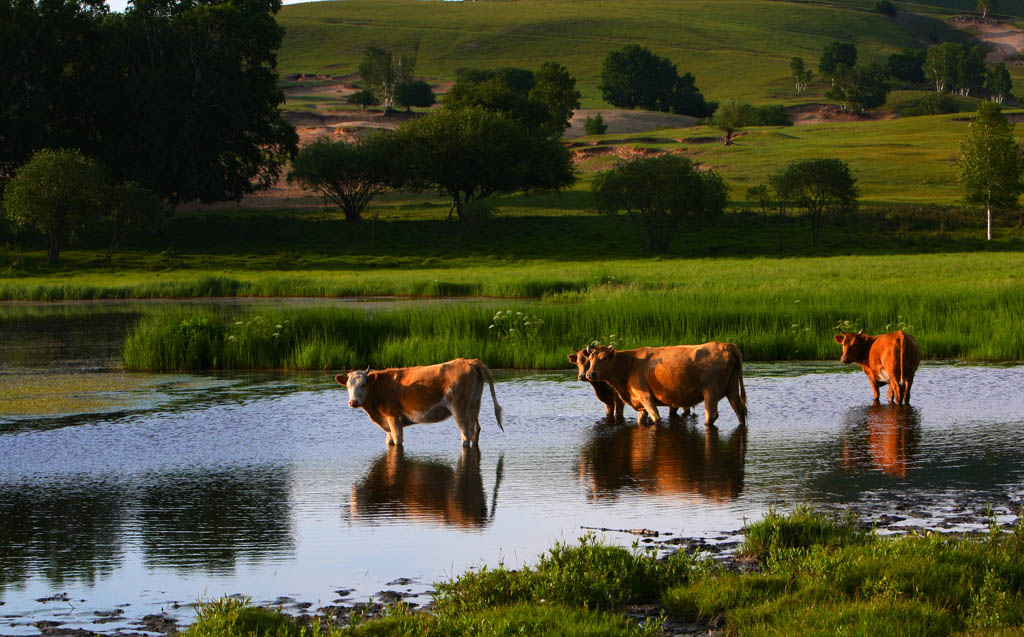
(148, 492)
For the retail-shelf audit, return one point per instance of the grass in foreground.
(818, 577)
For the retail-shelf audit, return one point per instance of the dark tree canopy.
(180, 96)
(494, 95)
(470, 154)
(834, 54)
(999, 84)
(633, 77)
(862, 87)
(409, 93)
(907, 66)
(661, 193)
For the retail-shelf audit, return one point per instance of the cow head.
(855, 346)
(581, 360)
(358, 384)
(599, 363)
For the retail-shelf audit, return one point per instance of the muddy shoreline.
(961, 515)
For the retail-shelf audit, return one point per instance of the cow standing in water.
(887, 359)
(397, 398)
(605, 393)
(679, 375)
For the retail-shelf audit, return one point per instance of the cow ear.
(839, 338)
(342, 378)
(611, 352)
(572, 358)
(370, 376)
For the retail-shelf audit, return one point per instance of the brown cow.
(605, 393)
(679, 375)
(397, 398)
(888, 359)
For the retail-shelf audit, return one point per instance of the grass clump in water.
(823, 577)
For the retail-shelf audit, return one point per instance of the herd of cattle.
(677, 376)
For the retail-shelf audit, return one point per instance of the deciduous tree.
(835, 54)
(660, 193)
(382, 70)
(987, 5)
(999, 84)
(129, 205)
(470, 154)
(991, 162)
(556, 88)
(633, 77)
(56, 192)
(409, 93)
(349, 174)
(801, 76)
(822, 186)
(728, 118)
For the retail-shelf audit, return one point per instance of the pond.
(127, 495)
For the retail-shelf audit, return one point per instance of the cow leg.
(710, 409)
(395, 437)
(737, 405)
(650, 409)
(906, 390)
(619, 408)
(468, 427)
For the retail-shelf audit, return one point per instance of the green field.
(735, 48)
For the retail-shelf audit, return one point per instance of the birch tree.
(989, 170)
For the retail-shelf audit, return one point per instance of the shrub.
(594, 125)
(363, 98)
(885, 7)
(931, 104)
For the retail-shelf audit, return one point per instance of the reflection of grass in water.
(80, 392)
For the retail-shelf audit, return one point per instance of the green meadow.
(734, 48)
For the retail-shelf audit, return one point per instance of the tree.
(834, 54)
(633, 77)
(556, 89)
(192, 100)
(991, 161)
(500, 92)
(594, 125)
(349, 174)
(472, 153)
(762, 194)
(885, 7)
(999, 84)
(660, 193)
(956, 68)
(907, 66)
(383, 70)
(56, 192)
(363, 98)
(409, 93)
(822, 186)
(859, 88)
(987, 5)
(128, 205)
(727, 119)
(801, 76)
(784, 186)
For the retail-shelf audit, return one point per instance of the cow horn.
(587, 350)
(367, 368)
(861, 331)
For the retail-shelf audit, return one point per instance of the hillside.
(735, 48)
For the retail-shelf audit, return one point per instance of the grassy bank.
(774, 310)
(814, 575)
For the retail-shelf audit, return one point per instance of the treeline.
(949, 68)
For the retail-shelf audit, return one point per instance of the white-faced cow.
(679, 375)
(887, 359)
(397, 398)
(613, 403)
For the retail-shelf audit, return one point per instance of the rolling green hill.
(735, 48)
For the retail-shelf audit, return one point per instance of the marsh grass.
(823, 577)
(779, 311)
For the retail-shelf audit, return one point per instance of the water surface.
(147, 492)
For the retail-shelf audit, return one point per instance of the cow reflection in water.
(678, 460)
(425, 490)
(885, 437)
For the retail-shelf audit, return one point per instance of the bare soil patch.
(805, 114)
(1005, 41)
(620, 122)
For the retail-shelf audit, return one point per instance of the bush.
(594, 125)
(774, 115)
(931, 104)
(885, 7)
(363, 98)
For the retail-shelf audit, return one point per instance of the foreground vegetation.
(814, 575)
(959, 306)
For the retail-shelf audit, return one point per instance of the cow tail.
(490, 381)
(743, 388)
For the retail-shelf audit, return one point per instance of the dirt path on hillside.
(1005, 40)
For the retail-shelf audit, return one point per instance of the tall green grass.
(768, 319)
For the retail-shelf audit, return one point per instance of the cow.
(678, 375)
(604, 392)
(887, 359)
(397, 398)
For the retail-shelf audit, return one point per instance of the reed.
(783, 321)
